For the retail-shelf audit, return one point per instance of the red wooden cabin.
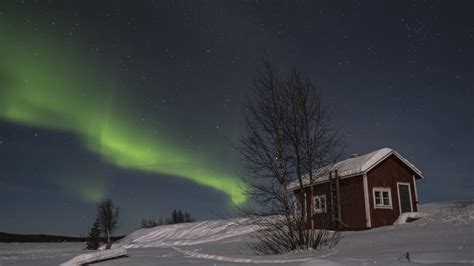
(361, 192)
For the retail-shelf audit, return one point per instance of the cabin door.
(404, 197)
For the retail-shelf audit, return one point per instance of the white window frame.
(409, 193)
(296, 203)
(319, 197)
(381, 190)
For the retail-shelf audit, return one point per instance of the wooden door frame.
(409, 193)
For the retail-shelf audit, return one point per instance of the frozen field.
(38, 253)
(444, 237)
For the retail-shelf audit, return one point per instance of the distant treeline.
(17, 238)
(177, 217)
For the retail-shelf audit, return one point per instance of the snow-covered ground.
(186, 234)
(38, 253)
(444, 236)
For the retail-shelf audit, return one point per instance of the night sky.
(140, 101)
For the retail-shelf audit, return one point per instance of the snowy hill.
(443, 236)
(186, 234)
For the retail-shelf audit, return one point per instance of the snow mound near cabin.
(404, 217)
(186, 234)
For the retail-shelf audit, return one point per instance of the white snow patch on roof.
(354, 166)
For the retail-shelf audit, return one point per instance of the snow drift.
(441, 234)
(404, 217)
(186, 234)
(443, 237)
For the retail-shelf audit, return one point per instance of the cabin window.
(319, 203)
(382, 198)
(297, 203)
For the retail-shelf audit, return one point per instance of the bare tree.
(314, 143)
(287, 137)
(265, 150)
(108, 219)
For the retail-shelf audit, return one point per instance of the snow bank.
(454, 212)
(187, 233)
(444, 237)
(402, 219)
(96, 256)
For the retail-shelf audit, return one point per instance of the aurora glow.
(66, 90)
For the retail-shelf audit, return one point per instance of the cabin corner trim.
(366, 201)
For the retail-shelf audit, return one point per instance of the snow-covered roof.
(354, 166)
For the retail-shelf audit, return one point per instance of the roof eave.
(401, 158)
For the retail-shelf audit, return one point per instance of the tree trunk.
(109, 244)
(311, 192)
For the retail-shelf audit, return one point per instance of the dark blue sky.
(395, 74)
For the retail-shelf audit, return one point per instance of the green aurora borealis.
(51, 84)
